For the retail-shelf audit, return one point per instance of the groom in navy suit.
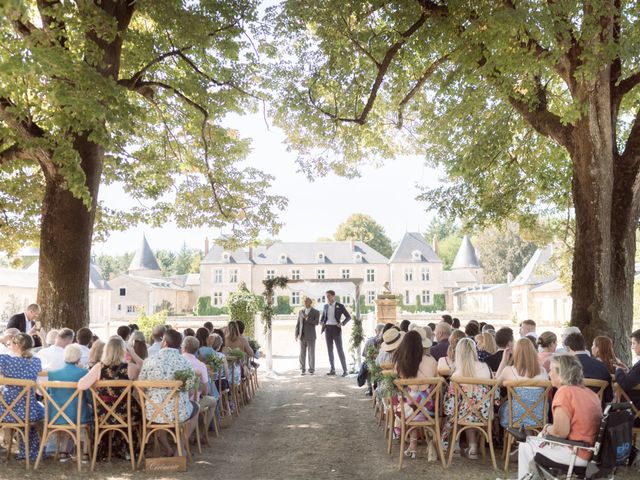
(332, 323)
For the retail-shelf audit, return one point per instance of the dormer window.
(226, 257)
(320, 257)
(357, 257)
(282, 258)
(416, 255)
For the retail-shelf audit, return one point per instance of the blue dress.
(23, 369)
(69, 373)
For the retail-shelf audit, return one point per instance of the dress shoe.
(311, 372)
(344, 374)
(302, 373)
(331, 373)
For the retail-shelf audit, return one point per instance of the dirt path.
(296, 427)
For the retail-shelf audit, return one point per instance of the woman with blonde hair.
(446, 364)
(548, 342)
(95, 353)
(467, 365)
(486, 345)
(526, 366)
(113, 366)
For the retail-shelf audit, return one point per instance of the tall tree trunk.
(65, 244)
(602, 284)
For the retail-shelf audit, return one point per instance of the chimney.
(434, 244)
(250, 253)
(206, 246)
(509, 278)
(353, 245)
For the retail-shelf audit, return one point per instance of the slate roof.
(28, 278)
(144, 259)
(300, 253)
(533, 272)
(453, 278)
(411, 242)
(466, 256)
(155, 282)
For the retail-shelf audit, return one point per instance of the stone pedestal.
(386, 308)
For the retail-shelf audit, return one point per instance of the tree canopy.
(529, 108)
(364, 228)
(502, 251)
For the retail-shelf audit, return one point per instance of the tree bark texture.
(65, 245)
(603, 261)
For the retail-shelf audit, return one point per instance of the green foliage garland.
(269, 286)
(188, 378)
(243, 305)
(357, 335)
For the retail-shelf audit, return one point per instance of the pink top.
(201, 371)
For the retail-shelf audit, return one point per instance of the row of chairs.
(431, 421)
(111, 422)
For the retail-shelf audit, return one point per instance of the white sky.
(315, 209)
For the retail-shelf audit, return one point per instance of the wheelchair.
(545, 469)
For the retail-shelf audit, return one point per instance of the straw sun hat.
(391, 339)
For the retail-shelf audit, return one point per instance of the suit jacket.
(340, 311)
(440, 350)
(594, 368)
(19, 321)
(628, 381)
(306, 327)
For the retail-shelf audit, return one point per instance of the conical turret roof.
(144, 259)
(466, 256)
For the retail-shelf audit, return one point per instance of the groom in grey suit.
(308, 318)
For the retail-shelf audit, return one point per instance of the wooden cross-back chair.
(387, 413)
(533, 416)
(419, 415)
(235, 388)
(600, 385)
(463, 421)
(111, 422)
(622, 396)
(10, 420)
(53, 411)
(154, 418)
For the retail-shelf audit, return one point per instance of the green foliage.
(447, 249)
(149, 84)
(236, 354)
(386, 386)
(214, 363)
(364, 228)
(283, 306)
(188, 378)
(255, 346)
(502, 251)
(269, 287)
(441, 228)
(147, 322)
(375, 372)
(438, 304)
(113, 265)
(357, 335)
(204, 307)
(243, 305)
(364, 308)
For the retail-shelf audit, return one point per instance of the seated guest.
(95, 353)
(466, 365)
(20, 364)
(204, 350)
(139, 344)
(163, 366)
(83, 340)
(447, 363)
(412, 362)
(472, 329)
(404, 326)
(630, 378)
(391, 339)
(124, 332)
(528, 329)
(488, 328)
(563, 335)
(189, 332)
(591, 367)
(373, 341)
(71, 372)
(602, 349)
(52, 357)
(432, 326)
(6, 340)
(455, 323)
(525, 367)
(504, 339)
(447, 319)
(190, 346)
(216, 342)
(112, 366)
(576, 416)
(208, 326)
(221, 334)
(486, 345)
(235, 340)
(157, 334)
(442, 333)
(548, 342)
